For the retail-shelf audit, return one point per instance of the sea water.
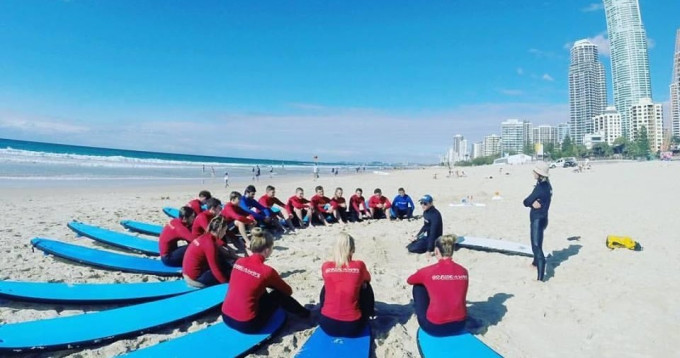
(32, 163)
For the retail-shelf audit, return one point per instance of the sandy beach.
(596, 302)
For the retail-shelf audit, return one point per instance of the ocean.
(32, 163)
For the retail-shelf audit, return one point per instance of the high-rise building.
(608, 124)
(630, 62)
(459, 148)
(545, 134)
(477, 150)
(649, 115)
(562, 132)
(463, 151)
(515, 134)
(675, 89)
(587, 89)
(491, 145)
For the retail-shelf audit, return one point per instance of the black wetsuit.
(431, 230)
(539, 221)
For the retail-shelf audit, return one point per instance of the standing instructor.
(539, 202)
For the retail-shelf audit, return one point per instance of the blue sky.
(344, 80)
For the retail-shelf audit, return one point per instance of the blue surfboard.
(105, 259)
(320, 344)
(90, 328)
(217, 340)
(462, 345)
(171, 212)
(117, 239)
(91, 293)
(142, 227)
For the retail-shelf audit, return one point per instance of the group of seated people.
(320, 209)
(216, 254)
(242, 213)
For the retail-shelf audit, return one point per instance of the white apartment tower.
(675, 89)
(587, 89)
(562, 132)
(649, 115)
(630, 62)
(608, 124)
(545, 134)
(477, 150)
(491, 145)
(515, 134)
(459, 148)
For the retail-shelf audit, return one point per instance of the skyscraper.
(608, 124)
(515, 134)
(630, 63)
(587, 89)
(675, 88)
(647, 114)
(562, 132)
(545, 135)
(491, 145)
(459, 144)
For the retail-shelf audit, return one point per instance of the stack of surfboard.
(152, 306)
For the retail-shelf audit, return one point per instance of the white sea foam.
(26, 156)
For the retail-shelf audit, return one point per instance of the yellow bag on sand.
(617, 242)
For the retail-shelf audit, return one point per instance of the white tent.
(514, 159)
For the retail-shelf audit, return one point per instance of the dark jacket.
(543, 193)
(432, 226)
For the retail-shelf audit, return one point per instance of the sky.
(344, 80)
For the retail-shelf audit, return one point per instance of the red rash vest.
(234, 212)
(202, 255)
(374, 201)
(173, 232)
(196, 205)
(249, 278)
(356, 201)
(343, 286)
(201, 222)
(319, 202)
(269, 201)
(336, 202)
(447, 284)
(296, 203)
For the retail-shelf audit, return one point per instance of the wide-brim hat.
(542, 168)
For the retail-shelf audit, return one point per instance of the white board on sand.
(380, 172)
(469, 205)
(507, 247)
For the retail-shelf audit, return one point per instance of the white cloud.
(520, 71)
(332, 133)
(602, 43)
(600, 40)
(547, 77)
(650, 43)
(39, 126)
(596, 6)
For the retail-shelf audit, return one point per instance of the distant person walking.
(539, 202)
(226, 179)
(257, 173)
(316, 172)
